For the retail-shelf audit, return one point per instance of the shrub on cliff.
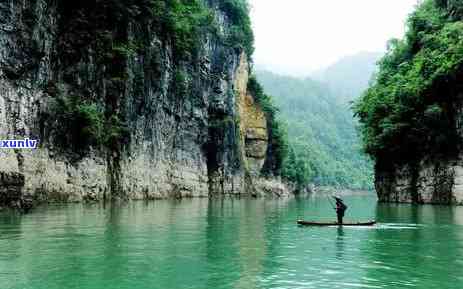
(241, 34)
(183, 21)
(77, 123)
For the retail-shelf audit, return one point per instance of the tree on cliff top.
(408, 111)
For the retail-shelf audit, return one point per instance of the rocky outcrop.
(170, 126)
(411, 115)
(11, 190)
(254, 134)
(275, 187)
(430, 182)
(428, 177)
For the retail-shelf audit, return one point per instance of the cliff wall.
(430, 182)
(127, 103)
(411, 115)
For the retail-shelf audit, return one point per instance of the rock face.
(430, 182)
(174, 127)
(430, 179)
(411, 116)
(11, 187)
(253, 125)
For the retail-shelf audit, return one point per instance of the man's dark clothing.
(340, 209)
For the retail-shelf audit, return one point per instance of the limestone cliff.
(411, 116)
(125, 102)
(253, 125)
(430, 181)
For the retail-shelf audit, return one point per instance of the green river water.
(216, 244)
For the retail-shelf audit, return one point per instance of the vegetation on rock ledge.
(409, 109)
(185, 21)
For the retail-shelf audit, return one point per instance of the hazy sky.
(300, 36)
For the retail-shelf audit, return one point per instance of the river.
(201, 243)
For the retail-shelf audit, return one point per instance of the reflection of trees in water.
(77, 229)
(416, 245)
(10, 229)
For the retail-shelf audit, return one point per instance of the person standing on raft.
(340, 209)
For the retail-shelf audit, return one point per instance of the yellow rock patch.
(253, 123)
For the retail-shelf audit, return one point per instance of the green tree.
(409, 111)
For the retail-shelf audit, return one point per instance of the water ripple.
(231, 244)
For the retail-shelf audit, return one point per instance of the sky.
(298, 37)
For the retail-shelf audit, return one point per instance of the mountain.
(349, 76)
(322, 133)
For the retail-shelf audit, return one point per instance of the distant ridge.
(321, 131)
(349, 76)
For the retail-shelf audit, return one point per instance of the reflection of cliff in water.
(252, 244)
(221, 249)
(10, 235)
(243, 237)
(177, 229)
(415, 246)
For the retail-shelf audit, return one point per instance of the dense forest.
(410, 109)
(322, 135)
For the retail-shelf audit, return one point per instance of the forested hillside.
(349, 76)
(324, 148)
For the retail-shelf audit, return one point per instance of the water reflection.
(416, 246)
(230, 243)
(115, 251)
(221, 247)
(340, 243)
(10, 242)
(252, 245)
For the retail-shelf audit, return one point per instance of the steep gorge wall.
(432, 176)
(174, 126)
(411, 116)
(430, 173)
(430, 182)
